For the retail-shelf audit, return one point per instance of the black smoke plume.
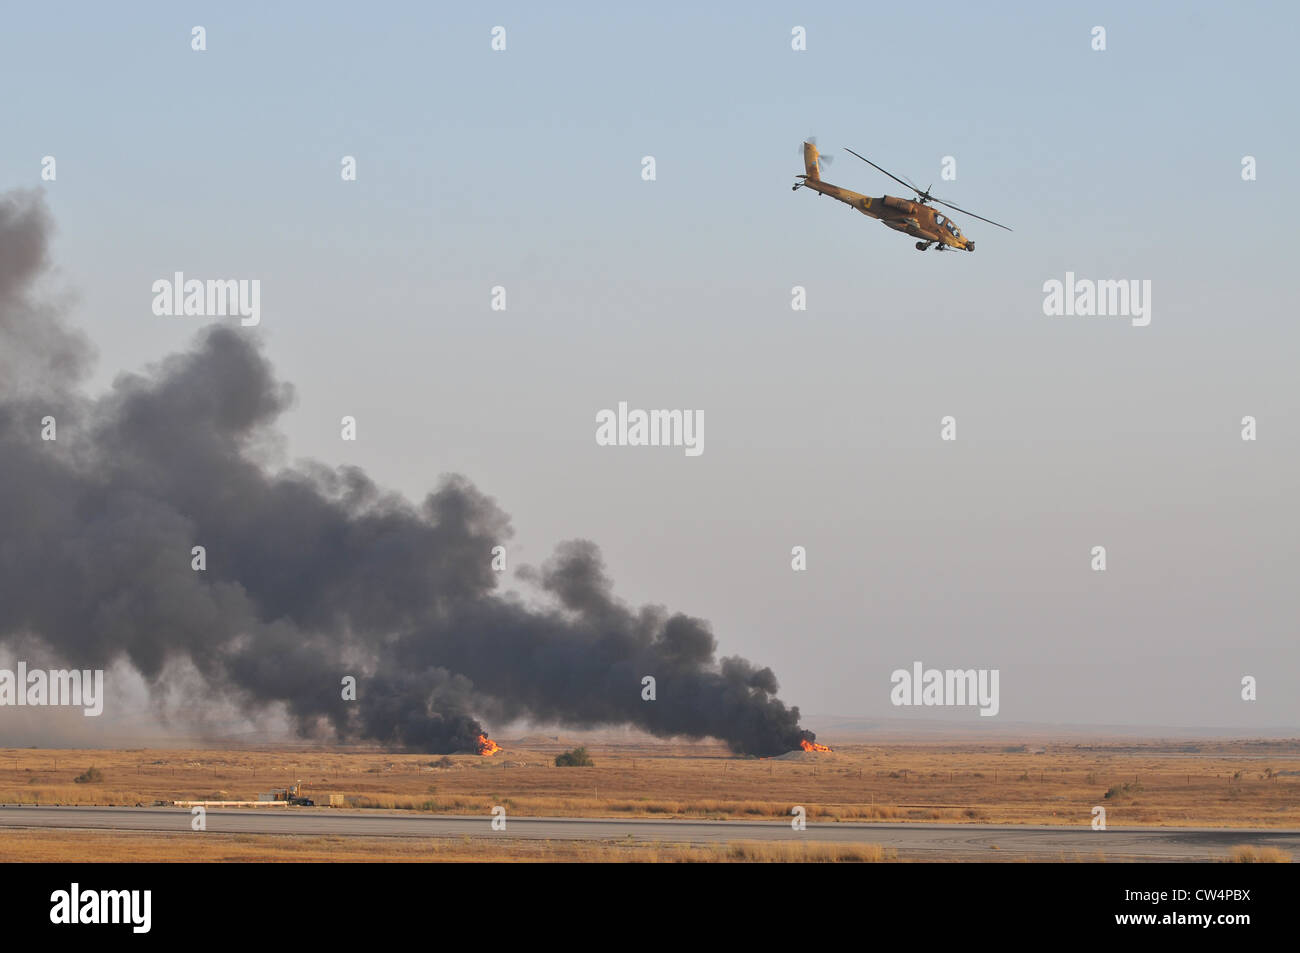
(312, 573)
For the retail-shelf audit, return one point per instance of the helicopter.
(914, 217)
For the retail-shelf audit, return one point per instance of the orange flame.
(812, 746)
(487, 747)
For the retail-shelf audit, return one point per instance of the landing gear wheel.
(922, 246)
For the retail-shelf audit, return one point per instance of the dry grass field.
(44, 846)
(1220, 784)
(130, 847)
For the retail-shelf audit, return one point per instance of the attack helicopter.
(914, 217)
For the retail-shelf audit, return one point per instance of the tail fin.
(812, 162)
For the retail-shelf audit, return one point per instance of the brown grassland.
(1215, 784)
(131, 847)
(1234, 784)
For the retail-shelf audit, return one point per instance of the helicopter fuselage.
(902, 215)
(912, 217)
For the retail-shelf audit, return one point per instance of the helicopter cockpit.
(946, 224)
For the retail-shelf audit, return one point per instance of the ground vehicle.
(294, 795)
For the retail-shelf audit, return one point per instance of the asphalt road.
(931, 841)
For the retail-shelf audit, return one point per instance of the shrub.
(1123, 790)
(91, 775)
(1246, 854)
(577, 758)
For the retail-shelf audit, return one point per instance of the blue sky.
(522, 169)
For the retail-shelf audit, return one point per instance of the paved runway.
(929, 841)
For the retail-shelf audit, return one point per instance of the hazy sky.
(522, 169)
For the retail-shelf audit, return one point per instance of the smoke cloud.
(312, 573)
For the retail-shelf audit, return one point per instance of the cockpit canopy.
(944, 223)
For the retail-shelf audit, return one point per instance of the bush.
(91, 775)
(577, 758)
(1245, 854)
(443, 762)
(1127, 789)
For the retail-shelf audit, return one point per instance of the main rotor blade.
(972, 214)
(890, 174)
(921, 193)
